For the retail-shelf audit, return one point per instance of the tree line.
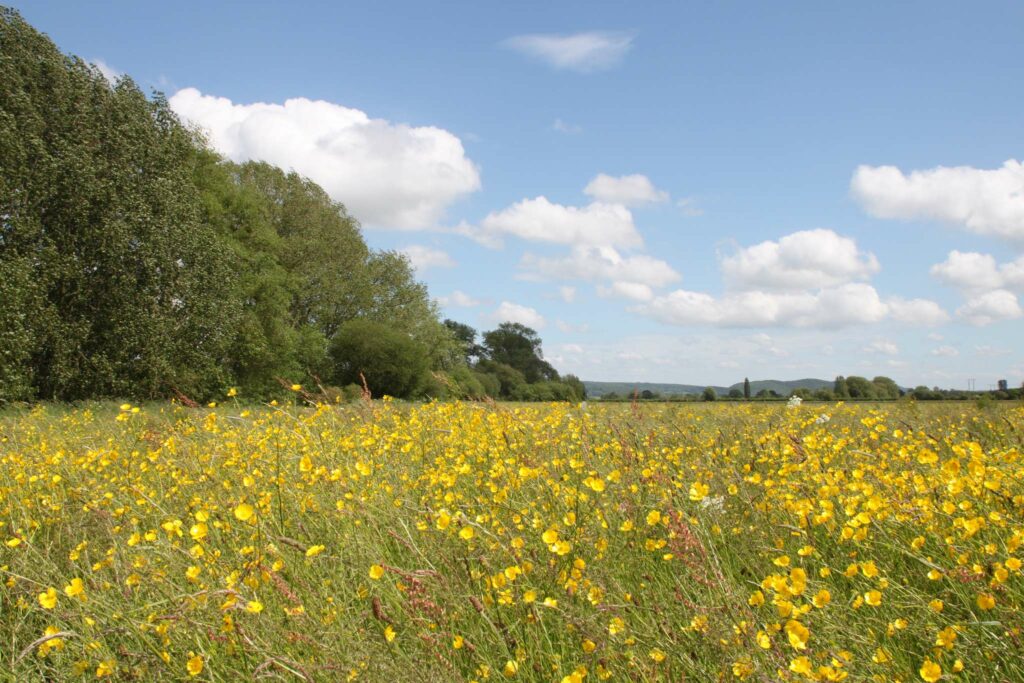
(136, 262)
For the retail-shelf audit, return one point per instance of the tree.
(519, 347)
(886, 388)
(746, 388)
(859, 387)
(840, 388)
(127, 290)
(392, 363)
(709, 394)
(465, 336)
(735, 393)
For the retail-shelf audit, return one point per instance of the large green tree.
(126, 290)
(519, 347)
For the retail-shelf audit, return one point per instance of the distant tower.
(1003, 385)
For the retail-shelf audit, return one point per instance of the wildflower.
(930, 671)
(510, 669)
(466, 533)
(798, 634)
(48, 599)
(389, 633)
(376, 571)
(314, 550)
(244, 512)
(986, 601)
(254, 606)
(105, 668)
(194, 666)
(75, 589)
(873, 598)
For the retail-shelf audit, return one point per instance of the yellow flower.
(801, 665)
(192, 573)
(930, 671)
(698, 491)
(194, 666)
(75, 589)
(616, 626)
(296, 387)
(873, 598)
(376, 571)
(510, 669)
(756, 599)
(458, 642)
(588, 646)
(389, 633)
(653, 517)
(550, 536)
(105, 668)
(254, 606)
(244, 512)
(314, 550)
(657, 655)
(986, 601)
(945, 638)
(14, 542)
(232, 392)
(48, 599)
(798, 634)
(821, 598)
(466, 533)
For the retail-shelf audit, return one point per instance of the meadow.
(384, 541)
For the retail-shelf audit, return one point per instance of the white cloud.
(849, 304)
(387, 174)
(567, 294)
(572, 348)
(540, 220)
(883, 346)
(460, 299)
(516, 313)
(988, 351)
(422, 257)
(990, 307)
(567, 128)
(945, 351)
(921, 312)
(583, 52)
(974, 272)
(628, 190)
(988, 202)
(627, 290)
(594, 264)
(110, 73)
(802, 260)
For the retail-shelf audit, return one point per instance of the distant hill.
(781, 387)
(627, 388)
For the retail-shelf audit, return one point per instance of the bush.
(392, 363)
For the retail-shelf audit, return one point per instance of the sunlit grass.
(389, 542)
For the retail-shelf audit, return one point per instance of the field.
(447, 542)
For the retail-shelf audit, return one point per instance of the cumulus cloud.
(387, 174)
(990, 307)
(688, 207)
(628, 190)
(540, 220)
(919, 312)
(832, 308)
(583, 52)
(945, 351)
(460, 299)
(516, 313)
(596, 264)
(567, 294)
(627, 290)
(802, 260)
(422, 257)
(974, 272)
(985, 201)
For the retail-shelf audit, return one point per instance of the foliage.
(391, 362)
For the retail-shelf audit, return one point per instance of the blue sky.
(667, 191)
